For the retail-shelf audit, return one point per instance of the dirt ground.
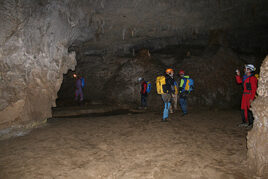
(204, 144)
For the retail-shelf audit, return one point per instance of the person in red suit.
(249, 83)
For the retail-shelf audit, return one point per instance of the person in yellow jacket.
(183, 92)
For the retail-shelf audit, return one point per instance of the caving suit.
(249, 84)
(78, 90)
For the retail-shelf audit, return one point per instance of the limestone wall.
(34, 41)
(258, 136)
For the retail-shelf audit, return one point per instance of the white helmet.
(140, 79)
(250, 67)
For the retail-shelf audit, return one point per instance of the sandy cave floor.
(204, 144)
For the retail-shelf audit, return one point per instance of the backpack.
(83, 82)
(160, 82)
(149, 86)
(189, 85)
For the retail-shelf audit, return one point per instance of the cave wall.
(34, 41)
(114, 80)
(258, 137)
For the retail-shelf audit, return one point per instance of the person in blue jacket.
(78, 88)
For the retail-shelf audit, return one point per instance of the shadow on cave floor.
(94, 114)
(204, 144)
(90, 110)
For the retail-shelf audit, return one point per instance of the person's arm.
(238, 79)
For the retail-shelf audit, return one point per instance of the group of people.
(170, 89)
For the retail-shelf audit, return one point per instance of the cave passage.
(99, 138)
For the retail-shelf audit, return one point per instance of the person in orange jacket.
(249, 83)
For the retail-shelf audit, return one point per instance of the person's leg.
(243, 116)
(165, 113)
(182, 104)
(166, 110)
(142, 100)
(171, 109)
(175, 102)
(166, 100)
(145, 101)
(76, 95)
(185, 106)
(81, 95)
(250, 118)
(244, 107)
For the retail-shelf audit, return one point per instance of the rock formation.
(258, 136)
(34, 41)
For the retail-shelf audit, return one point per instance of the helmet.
(181, 72)
(250, 67)
(140, 79)
(169, 70)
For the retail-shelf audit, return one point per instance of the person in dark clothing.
(168, 89)
(143, 93)
(78, 89)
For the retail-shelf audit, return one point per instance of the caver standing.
(168, 90)
(143, 93)
(249, 83)
(78, 88)
(186, 86)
